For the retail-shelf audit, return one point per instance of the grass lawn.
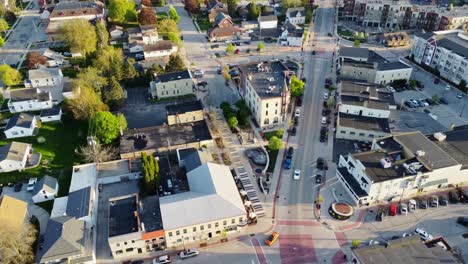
(58, 151)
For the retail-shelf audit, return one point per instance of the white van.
(324, 120)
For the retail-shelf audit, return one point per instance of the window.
(266, 112)
(177, 233)
(224, 222)
(209, 226)
(361, 134)
(194, 229)
(371, 135)
(118, 252)
(240, 219)
(202, 227)
(342, 132)
(129, 250)
(125, 243)
(170, 234)
(352, 133)
(216, 224)
(185, 231)
(233, 221)
(118, 244)
(266, 105)
(133, 241)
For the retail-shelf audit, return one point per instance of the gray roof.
(122, 217)
(454, 47)
(293, 11)
(370, 124)
(64, 237)
(408, 250)
(184, 107)
(354, 52)
(269, 79)
(173, 76)
(51, 111)
(20, 120)
(13, 151)
(424, 34)
(456, 144)
(196, 159)
(408, 121)
(395, 65)
(79, 201)
(29, 94)
(267, 18)
(47, 183)
(44, 72)
(365, 94)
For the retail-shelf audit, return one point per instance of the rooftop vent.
(386, 163)
(420, 153)
(440, 136)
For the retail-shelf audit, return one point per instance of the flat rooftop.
(456, 144)
(123, 215)
(269, 79)
(409, 121)
(361, 64)
(184, 107)
(364, 122)
(150, 214)
(366, 94)
(157, 137)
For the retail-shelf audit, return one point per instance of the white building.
(212, 206)
(292, 35)
(445, 51)
(43, 77)
(296, 15)
(159, 49)
(53, 59)
(116, 32)
(51, 115)
(353, 53)
(375, 72)
(172, 84)
(265, 88)
(402, 166)
(31, 99)
(21, 125)
(265, 22)
(45, 189)
(14, 156)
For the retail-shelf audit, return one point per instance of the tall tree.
(80, 36)
(168, 28)
(16, 246)
(110, 61)
(102, 35)
(173, 14)
(297, 86)
(2, 41)
(113, 94)
(192, 6)
(86, 104)
(176, 63)
(147, 3)
(260, 46)
(34, 59)
(121, 10)
(97, 153)
(160, 3)
(4, 26)
(230, 49)
(232, 7)
(254, 12)
(90, 78)
(151, 176)
(107, 126)
(129, 70)
(10, 76)
(147, 16)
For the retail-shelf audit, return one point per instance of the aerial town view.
(233, 131)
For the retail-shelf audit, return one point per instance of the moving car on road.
(297, 174)
(318, 178)
(272, 239)
(462, 221)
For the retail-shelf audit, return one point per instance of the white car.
(391, 89)
(192, 252)
(324, 120)
(298, 113)
(423, 234)
(406, 235)
(31, 184)
(447, 87)
(325, 96)
(373, 242)
(297, 174)
(404, 209)
(164, 259)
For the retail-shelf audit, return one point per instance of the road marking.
(258, 250)
(298, 223)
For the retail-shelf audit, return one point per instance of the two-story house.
(14, 156)
(223, 28)
(139, 37)
(172, 84)
(292, 35)
(296, 15)
(21, 125)
(43, 77)
(159, 49)
(31, 99)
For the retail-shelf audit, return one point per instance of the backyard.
(56, 142)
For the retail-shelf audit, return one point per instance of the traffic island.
(341, 210)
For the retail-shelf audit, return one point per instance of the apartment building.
(172, 84)
(444, 51)
(404, 165)
(364, 111)
(265, 86)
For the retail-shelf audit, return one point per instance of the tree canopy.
(297, 86)
(168, 28)
(113, 94)
(4, 25)
(254, 11)
(232, 7)
(10, 76)
(86, 104)
(16, 246)
(192, 6)
(121, 10)
(232, 121)
(90, 78)
(102, 35)
(173, 14)
(176, 63)
(261, 45)
(107, 126)
(147, 16)
(2, 41)
(230, 49)
(275, 143)
(34, 59)
(150, 171)
(80, 36)
(110, 61)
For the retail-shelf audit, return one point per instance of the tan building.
(185, 112)
(13, 212)
(172, 85)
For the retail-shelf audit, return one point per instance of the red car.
(393, 209)
(237, 51)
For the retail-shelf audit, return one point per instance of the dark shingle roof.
(20, 120)
(196, 159)
(184, 107)
(46, 183)
(354, 52)
(79, 202)
(160, 45)
(28, 94)
(388, 66)
(423, 34)
(173, 76)
(293, 11)
(50, 112)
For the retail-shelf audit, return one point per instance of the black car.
(1, 190)
(409, 104)
(290, 152)
(293, 131)
(202, 83)
(318, 178)
(462, 221)
(380, 214)
(422, 203)
(430, 101)
(322, 139)
(18, 187)
(443, 101)
(320, 163)
(296, 120)
(299, 101)
(313, 52)
(443, 200)
(247, 42)
(330, 34)
(453, 197)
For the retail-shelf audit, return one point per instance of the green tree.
(90, 77)
(412, 84)
(86, 104)
(254, 12)
(175, 63)
(320, 199)
(355, 243)
(108, 126)
(462, 85)
(331, 102)
(4, 26)
(225, 72)
(80, 36)
(243, 112)
(357, 43)
(121, 10)
(129, 71)
(275, 143)
(297, 86)
(110, 61)
(168, 29)
(2, 42)
(232, 7)
(435, 98)
(331, 88)
(230, 49)
(260, 46)
(362, 35)
(151, 175)
(232, 121)
(113, 94)
(160, 3)
(10, 76)
(102, 35)
(173, 14)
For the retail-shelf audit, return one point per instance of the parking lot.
(437, 221)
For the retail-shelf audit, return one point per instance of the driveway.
(33, 209)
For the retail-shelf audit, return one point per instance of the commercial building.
(444, 51)
(375, 72)
(401, 166)
(211, 207)
(164, 138)
(265, 86)
(172, 84)
(186, 112)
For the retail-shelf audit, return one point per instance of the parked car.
(324, 120)
(409, 104)
(237, 51)
(422, 203)
(192, 252)
(427, 111)
(18, 187)
(139, 57)
(412, 205)
(423, 102)
(443, 101)
(203, 83)
(272, 238)
(459, 95)
(318, 178)
(164, 259)
(391, 89)
(320, 163)
(296, 121)
(434, 201)
(443, 200)
(436, 80)
(380, 214)
(287, 163)
(298, 113)
(462, 221)
(293, 131)
(404, 209)
(392, 210)
(423, 234)
(325, 96)
(297, 174)
(290, 152)
(31, 184)
(453, 197)
(406, 235)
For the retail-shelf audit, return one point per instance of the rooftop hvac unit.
(420, 153)
(386, 163)
(440, 136)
